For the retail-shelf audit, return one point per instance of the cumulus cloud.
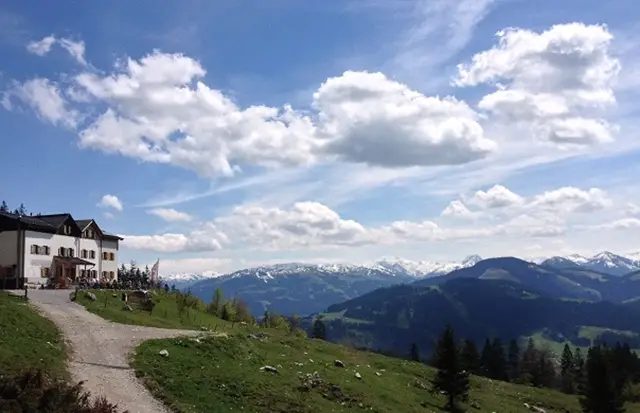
(158, 109)
(76, 48)
(45, 98)
(110, 201)
(554, 81)
(457, 209)
(206, 237)
(496, 197)
(570, 199)
(170, 214)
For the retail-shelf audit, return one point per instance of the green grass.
(165, 314)
(28, 340)
(224, 375)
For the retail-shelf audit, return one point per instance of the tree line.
(603, 380)
(21, 210)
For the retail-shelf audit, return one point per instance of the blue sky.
(217, 135)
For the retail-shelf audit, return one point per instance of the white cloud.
(457, 209)
(206, 237)
(632, 209)
(570, 199)
(556, 81)
(75, 48)
(170, 215)
(45, 98)
(496, 197)
(41, 47)
(159, 110)
(110, 201)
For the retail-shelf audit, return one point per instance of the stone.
(338, 363)
(164, 353)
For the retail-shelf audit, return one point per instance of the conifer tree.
(578, 369)
(498, 361)
(319, 329)
(513, 360)
(450, 379)
(469, 357)
(414, 354)
(567, 370)
(4, 207)
(486, 357)
(217, 302)
(599, 394)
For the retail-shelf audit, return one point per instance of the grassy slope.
(28, 340)
(224, 375)
(165, 313)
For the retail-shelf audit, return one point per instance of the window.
(62, 251)
(112, 275)
(83, 254)
(92, 254)
(34, 249)
(71, 252)
(45, 250)
(105, 255)
(83, 273)
(112, 256)
(67, 229)
(104, 274)
(44, 272)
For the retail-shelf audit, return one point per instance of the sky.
(218, 135)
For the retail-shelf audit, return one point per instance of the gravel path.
(100, 350)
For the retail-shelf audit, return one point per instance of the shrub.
(36, 392)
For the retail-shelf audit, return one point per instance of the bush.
(36, 392)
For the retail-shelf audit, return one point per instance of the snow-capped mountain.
(386, 267)
(605, 262)
(420, 269)
(185, 280)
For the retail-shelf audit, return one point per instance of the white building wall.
(90, 245)
(33, 263)
(8, 248)
(110, 246)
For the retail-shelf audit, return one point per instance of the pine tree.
(319, 329)
(414, 353)
(469, 357)
(450, 379)
(513, 360)
(578, 369)
(22, 210)
(528, 363)
(498, 361)
(567, 370)
(217, 302)
(599, 395)
(4, 207)
(486, 357)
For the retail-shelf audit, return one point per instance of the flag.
(154, 271)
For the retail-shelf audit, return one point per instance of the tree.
(567, 370)
(599, 394)
(319, 329)
(450, 379)
(485, 358)
(4, 207)
(228, 312)
(513, 360)
(414, 353)
(469, 357)
(22, 210)
(215, 308)
(578, 369)
(294, 324)
(528, 363)
(243, 314)
(498, 361)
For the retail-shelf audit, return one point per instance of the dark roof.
(109, 235)
(54, 219)
(10, 222)
(45, 223)
(73, 260)
(83, 223)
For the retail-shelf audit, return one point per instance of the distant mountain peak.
(471, 260)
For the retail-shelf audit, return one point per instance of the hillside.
(392, 318)
(227, 374)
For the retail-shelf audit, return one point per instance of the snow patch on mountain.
(605, 261)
